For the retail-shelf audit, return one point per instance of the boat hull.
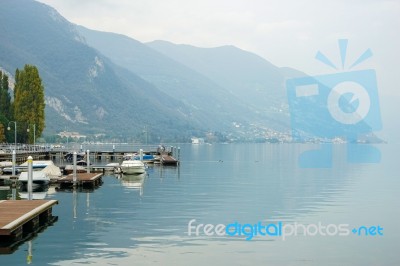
(131, 170)
(133, 167)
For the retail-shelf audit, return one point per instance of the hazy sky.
(285, 32)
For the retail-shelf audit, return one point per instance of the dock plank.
(169, 160)
(14, 213)
(80, 177)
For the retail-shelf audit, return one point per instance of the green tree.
(28, 103)
(5, 105)
(2, 135)
(5, 99)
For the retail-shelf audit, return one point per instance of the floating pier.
(21, 218)
(88, 180)
(168, 160)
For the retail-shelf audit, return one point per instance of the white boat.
(37, 164)
(39, 178)
(52, 171)
(110, 167)
(133, 167)
(197, 141)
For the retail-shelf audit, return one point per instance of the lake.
(277, 213)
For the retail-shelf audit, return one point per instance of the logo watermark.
(280, 230)
(339, 105)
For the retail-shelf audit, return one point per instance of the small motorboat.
(37, 164)
(39, 178)
(133, 167)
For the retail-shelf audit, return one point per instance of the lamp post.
(34, 136)
(15, 145)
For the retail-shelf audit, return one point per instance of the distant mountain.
(226, 84)
(84, 90)
(211, 105)
(98, 82)
(246, 75)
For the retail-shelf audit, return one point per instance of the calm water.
(144, 220)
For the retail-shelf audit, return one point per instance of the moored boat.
(133, 167)
(39, 178)
(37, 164)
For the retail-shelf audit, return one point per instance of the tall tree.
(2, 135)
(29, 103)
(5, 105)
(5, 99)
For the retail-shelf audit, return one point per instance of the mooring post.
(13, 161)
(179, 154)
(74, 168)
(141, 154)
(14, 190)
(113, 147)
(30, 177)
(87, 162)
(81, 148)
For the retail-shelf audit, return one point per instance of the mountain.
(84, 90)
(211, 105)
(246, 75)
(226, 84)
(98, 82)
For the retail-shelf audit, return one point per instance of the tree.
(5, 99)
(28, 103)
(5, 105)
(2, 135)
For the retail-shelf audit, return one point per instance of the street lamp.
(15, 144)
(15, 132)
(34, 135)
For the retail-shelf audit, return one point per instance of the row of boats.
(42, 172)
(45, 170)
(133, 163)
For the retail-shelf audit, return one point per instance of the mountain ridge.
(83, 88)
(103, 82)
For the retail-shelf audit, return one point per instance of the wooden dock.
(96, 153)
(89, 180)
(21, 217)
(168, 160)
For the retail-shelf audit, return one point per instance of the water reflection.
(213, 184)
(29, 257)
(38, 193)
(4, 191)
(134, 181)
(167, 171)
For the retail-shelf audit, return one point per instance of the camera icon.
(339, 105)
